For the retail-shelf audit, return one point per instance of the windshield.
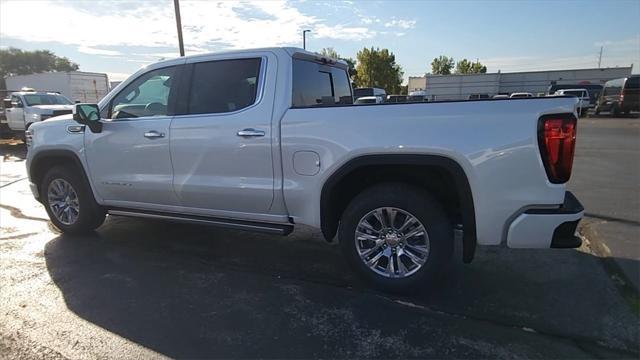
(46, 99)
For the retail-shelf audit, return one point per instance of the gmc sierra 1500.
(266, 139)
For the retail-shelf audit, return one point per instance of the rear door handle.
(250, 133)
(153, 134)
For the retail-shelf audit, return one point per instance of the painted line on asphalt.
(612, 219)
(13, 182)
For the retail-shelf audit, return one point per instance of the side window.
(341, 86)
(633, 83)
(319, 85)
(223, 86)
(147, 95)
(16, 100)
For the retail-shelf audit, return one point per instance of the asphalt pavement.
(148, 289)
(606, 179)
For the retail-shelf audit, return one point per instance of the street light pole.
(304, 38)
(176, 5)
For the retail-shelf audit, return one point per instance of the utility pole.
(304, 38)
(600, 58)
(176, 5)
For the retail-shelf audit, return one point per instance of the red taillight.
(622, 96)
(557, 141)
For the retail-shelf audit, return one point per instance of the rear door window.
(633, 83)
(223, 86)
(319, 85)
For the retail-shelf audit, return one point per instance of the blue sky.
(118, 37)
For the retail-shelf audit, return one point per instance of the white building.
(460, 87)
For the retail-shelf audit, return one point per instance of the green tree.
(465, 66)
(330, 52)
(442, 65)
(18, 62)
(377, 68)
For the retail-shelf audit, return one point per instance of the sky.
(119, 37)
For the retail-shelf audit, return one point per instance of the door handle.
(153, 134)
(250, 133)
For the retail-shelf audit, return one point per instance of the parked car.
(368, 100)
(370, 91)
(583, 97)
(23, 108)
(254, 140)
(417, 98)
(479, 96)
(500, 96)
(593, 89)
(620, 96)
(396, 98)
(520, 95)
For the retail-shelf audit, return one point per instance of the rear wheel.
(69, 201)
(615, 110)
(397, 236)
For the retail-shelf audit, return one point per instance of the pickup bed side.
(494, 142)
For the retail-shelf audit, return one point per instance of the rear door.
(221, 139)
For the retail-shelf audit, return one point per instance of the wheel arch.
(332, 204)
(47, 159)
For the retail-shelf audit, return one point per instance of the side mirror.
(89, 115)
(7, 103)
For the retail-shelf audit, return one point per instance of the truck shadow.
(190, 291)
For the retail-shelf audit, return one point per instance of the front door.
(15, 114)
(130, 160)
(221, 140)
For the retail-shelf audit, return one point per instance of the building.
(460, 87)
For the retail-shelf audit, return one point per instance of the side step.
(269, 228)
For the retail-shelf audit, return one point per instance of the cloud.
(206, 25)
(401, 23)
(340, 32)
(94, 51)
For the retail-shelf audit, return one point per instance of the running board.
(269, 228)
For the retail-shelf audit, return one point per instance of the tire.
(88, 216)
(405, 200)
(615, 110)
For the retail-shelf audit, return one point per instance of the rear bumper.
(547, 228)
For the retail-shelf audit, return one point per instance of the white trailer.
(86, 87)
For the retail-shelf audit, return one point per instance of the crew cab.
(269, 139)
(23, 108)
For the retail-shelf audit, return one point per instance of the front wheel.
(69, 201)
(397, 236)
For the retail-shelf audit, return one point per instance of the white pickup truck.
(24, 108)
(268, 139)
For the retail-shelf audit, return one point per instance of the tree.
(377, 68)
(442, 65)
(465, 66)
(330, 52)
(17, 62)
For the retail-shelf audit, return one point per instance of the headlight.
(28, 136)
(36, 117)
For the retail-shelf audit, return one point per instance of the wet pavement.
(140, 288)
